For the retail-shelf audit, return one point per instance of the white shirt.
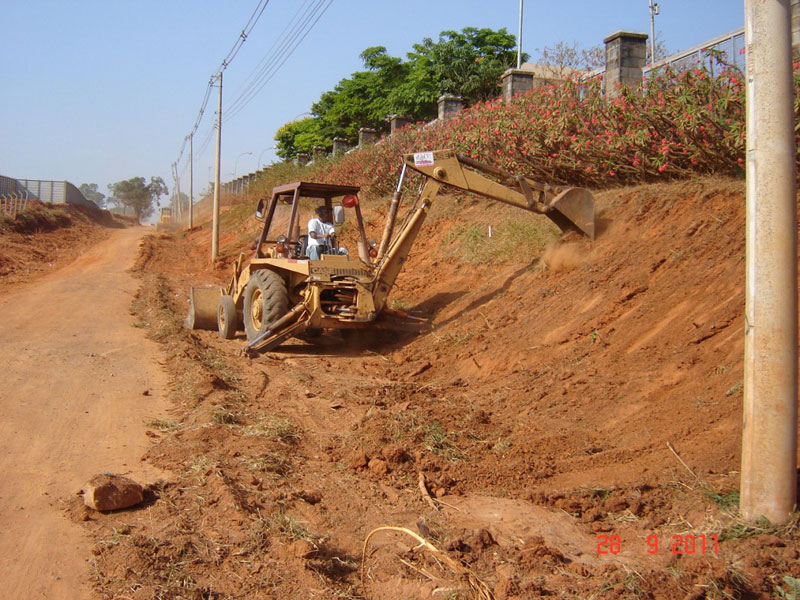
(320, 228)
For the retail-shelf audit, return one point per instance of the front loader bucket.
(203, 307)
(573, 209)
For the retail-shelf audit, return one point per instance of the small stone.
(358, 460)
(310, 496)
(394, 454)
(146, 393)
(309, 394)
(112, 492)
(378, 466)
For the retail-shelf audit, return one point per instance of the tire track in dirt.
(74, 374)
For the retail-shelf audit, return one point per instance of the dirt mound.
(570, 427)
(45, 237)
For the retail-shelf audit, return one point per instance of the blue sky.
(100, 91)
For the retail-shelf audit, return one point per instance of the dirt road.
(78, 383)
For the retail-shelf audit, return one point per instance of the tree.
(567, 58)
(362, 100)
(89, 191)
(134, 192)
(467, 63)
(299, 136)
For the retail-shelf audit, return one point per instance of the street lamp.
(653, 13)
(258, 168)
(236, 163)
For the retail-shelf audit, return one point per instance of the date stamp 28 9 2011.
(676, 544)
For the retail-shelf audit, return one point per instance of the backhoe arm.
(571, 208)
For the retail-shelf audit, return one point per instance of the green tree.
(299, 136)
(362, 100)
(89, 191)
(467, 63)
(138, 195)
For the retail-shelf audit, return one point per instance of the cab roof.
(315, 190)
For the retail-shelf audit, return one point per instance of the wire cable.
(298, 34)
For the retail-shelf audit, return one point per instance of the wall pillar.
(516, 82)
(795, 7)
(449, 106)
(367, 136)
(626, 54)
(398, 122)
(340, 146)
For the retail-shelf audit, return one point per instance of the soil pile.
(45, 237)
(570, 427)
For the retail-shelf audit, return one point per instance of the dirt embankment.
(573, 419)
(46, 237)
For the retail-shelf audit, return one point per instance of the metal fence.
(44, 190)
(11, 206)
(728, 49)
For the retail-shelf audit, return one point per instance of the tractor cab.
(286, 212)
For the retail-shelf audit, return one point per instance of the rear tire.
(227, 319)
(266, 300)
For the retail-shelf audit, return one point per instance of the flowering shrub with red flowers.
(681, 124)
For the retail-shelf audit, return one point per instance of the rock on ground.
(112, 492)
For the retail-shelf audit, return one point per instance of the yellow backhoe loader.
(281, 293)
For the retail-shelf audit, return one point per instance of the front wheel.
(266, 300)
(227, 319)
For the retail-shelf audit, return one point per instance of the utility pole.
(191, 181)
(769, 432)
(215, 209)
(519, 37)
(178, 195)
(173, 208)
(653, 13)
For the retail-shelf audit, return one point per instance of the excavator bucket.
(573, 209)
(203, 307)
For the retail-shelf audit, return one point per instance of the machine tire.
(266, 300)
(227, 319)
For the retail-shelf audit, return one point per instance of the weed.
(290, 527)
(511, 239)
(601, 494)
(725, 500)
(118, 536)
(278, 428)
(594, 336)
(399, 304)
(223, 416)
(737, 387)
(502, 446)
(437, 441)
(201, 463)
(270, 462)
(163, 425)
(793, 588)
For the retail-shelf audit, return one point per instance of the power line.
(277, 60)
(251, 23)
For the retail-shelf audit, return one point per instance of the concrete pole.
(769, 436)
(519, 37)
(178, 195)
(653, 13)
(191, 181)
(215, 209)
